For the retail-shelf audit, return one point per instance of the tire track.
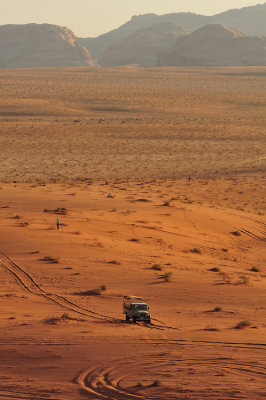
(25, 280)
(113, 381)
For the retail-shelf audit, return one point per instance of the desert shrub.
(65, 316)
(58, 211)
(114, 262)
(211, 328)
(50, 260)
(16, 217)
(215, 269)
(196, 250)
(139, 384)
(92, 292)
(23, 224)
(156, 267)
(217, 309)
(133, 240)
(157, 383)
(255, 269)
(236, 233)
(244, 280)
(243, 324)
(226, 278)
(167, 276)
(167, 203)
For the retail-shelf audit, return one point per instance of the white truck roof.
(133, 299)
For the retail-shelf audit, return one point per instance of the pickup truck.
(136, 309)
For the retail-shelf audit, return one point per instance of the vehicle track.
(114, 381)
(25, 280)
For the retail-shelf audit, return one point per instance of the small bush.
(157, 383)
(113, 262)
(167, 276)
(196, 250)
(244, 280)
(58, 211)
(23, 224)
(139, 384)
(50, 260)
(65, 316)
(217, 309)
(211, 328)
(156, 267)
(255, 269)
(215, 269)
(236, 233)
(243, 324)
(16, 217)
(92, 292)
(167, 203)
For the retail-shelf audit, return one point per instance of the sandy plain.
(68, 138)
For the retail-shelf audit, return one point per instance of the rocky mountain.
(142, 47)
(214, 45)
(250, 20)
(44, 45)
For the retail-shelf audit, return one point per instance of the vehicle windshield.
(140, 307)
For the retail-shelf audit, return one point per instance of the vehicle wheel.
(148, 321)
(134, 320)
(127, 318)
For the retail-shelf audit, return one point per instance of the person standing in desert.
(58, 223)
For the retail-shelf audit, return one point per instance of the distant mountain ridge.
(214, 45)
(249, 20)
(141, 48)
(177, 39)
(40, 45)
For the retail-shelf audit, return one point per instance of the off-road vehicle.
(136, 309)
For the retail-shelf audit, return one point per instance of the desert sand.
(194, 249)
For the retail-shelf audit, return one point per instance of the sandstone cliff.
(142, 47)
(215, 45)
(44, 45)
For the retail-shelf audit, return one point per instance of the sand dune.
(57, 345)
(194, 249)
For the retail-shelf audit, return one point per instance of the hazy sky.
(93, 17)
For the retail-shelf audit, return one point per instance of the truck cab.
(135, 308)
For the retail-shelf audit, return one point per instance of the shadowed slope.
(215, 45)
(44, 45)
